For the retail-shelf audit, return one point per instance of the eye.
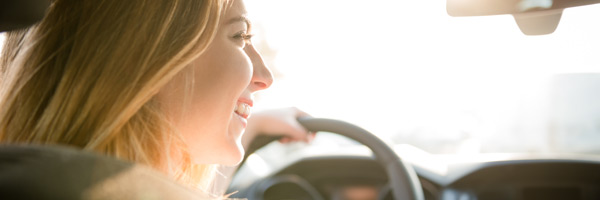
(242, 35)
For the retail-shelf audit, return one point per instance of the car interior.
(542, 154)
(543, 146)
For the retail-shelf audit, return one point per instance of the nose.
(261, 76)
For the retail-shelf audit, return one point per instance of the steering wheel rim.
(403, 180)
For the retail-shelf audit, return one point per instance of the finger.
(284, 140)
(299, 132)
(311, 136)
(301, 113)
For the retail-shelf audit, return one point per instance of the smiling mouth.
(242, 109)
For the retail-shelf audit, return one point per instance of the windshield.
(408, 72)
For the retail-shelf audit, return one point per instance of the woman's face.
(223, 80)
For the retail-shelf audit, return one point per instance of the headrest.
(16, 14)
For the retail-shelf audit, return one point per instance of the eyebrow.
(243, 19)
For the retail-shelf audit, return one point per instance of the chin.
(233, 151)
(233, 156)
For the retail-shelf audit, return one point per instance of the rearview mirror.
(534, 17)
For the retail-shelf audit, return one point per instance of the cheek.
(221, 76)
(224, 70)
(236, 69)
(227, 67)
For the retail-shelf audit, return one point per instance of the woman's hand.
(278, 122)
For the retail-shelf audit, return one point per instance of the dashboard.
(528, 179)
(347, 176)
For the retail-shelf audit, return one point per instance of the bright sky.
(396, 66)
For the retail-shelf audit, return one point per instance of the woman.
(167, 84)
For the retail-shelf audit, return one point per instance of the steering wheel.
(403, 180)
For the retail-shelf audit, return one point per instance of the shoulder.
(56, 172)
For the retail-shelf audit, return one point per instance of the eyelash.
(244, 36)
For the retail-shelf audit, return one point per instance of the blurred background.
(410, 73)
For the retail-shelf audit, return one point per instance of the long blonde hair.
(87, 74)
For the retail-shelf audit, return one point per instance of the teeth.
(242, 109)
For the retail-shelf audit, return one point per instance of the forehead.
(236, 8)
